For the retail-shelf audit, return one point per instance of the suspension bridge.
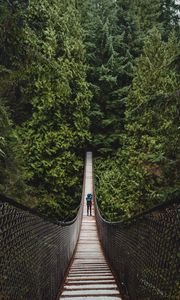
(88, 257)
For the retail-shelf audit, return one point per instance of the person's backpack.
(89, 197)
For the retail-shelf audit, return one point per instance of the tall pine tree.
(108, 34)
(58, 130)
(146, 170)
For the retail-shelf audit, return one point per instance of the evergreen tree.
(12, 174)
(16, 60)
(108, 41)
(45, 90)
(155, 88)
(114, 36)
(145, 171)
(58, 130)
(169, 17)
(45, 106)
(147, 14)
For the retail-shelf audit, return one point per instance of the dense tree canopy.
(46, 93)
(97, 73)
(145, 170)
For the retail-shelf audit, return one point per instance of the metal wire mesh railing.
(35, 252)
(144, 252)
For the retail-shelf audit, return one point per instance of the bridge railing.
(35, 252)
(143, 252)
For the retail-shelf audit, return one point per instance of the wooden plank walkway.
(89, 276)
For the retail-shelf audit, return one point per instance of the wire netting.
(35, 252)
(144, 252)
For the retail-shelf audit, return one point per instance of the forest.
(90, 74)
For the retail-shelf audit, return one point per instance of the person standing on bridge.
(89, 203)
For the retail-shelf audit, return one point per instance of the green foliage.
(109, 67)
(12, 173)
(114, 33)
(58, 129)
(56, 56)
(169, 17)
(147, 14)
(44, 86)
(146, 170)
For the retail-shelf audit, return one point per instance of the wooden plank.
(89, 296)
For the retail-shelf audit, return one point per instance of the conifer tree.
(45, 106)
(16, 61)
(114, 36)
(169, 17)
(12, 174)
(110, 67)
(45, 91)
(147, 14)
(58, 130)
(145, 171)
(155, 89)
